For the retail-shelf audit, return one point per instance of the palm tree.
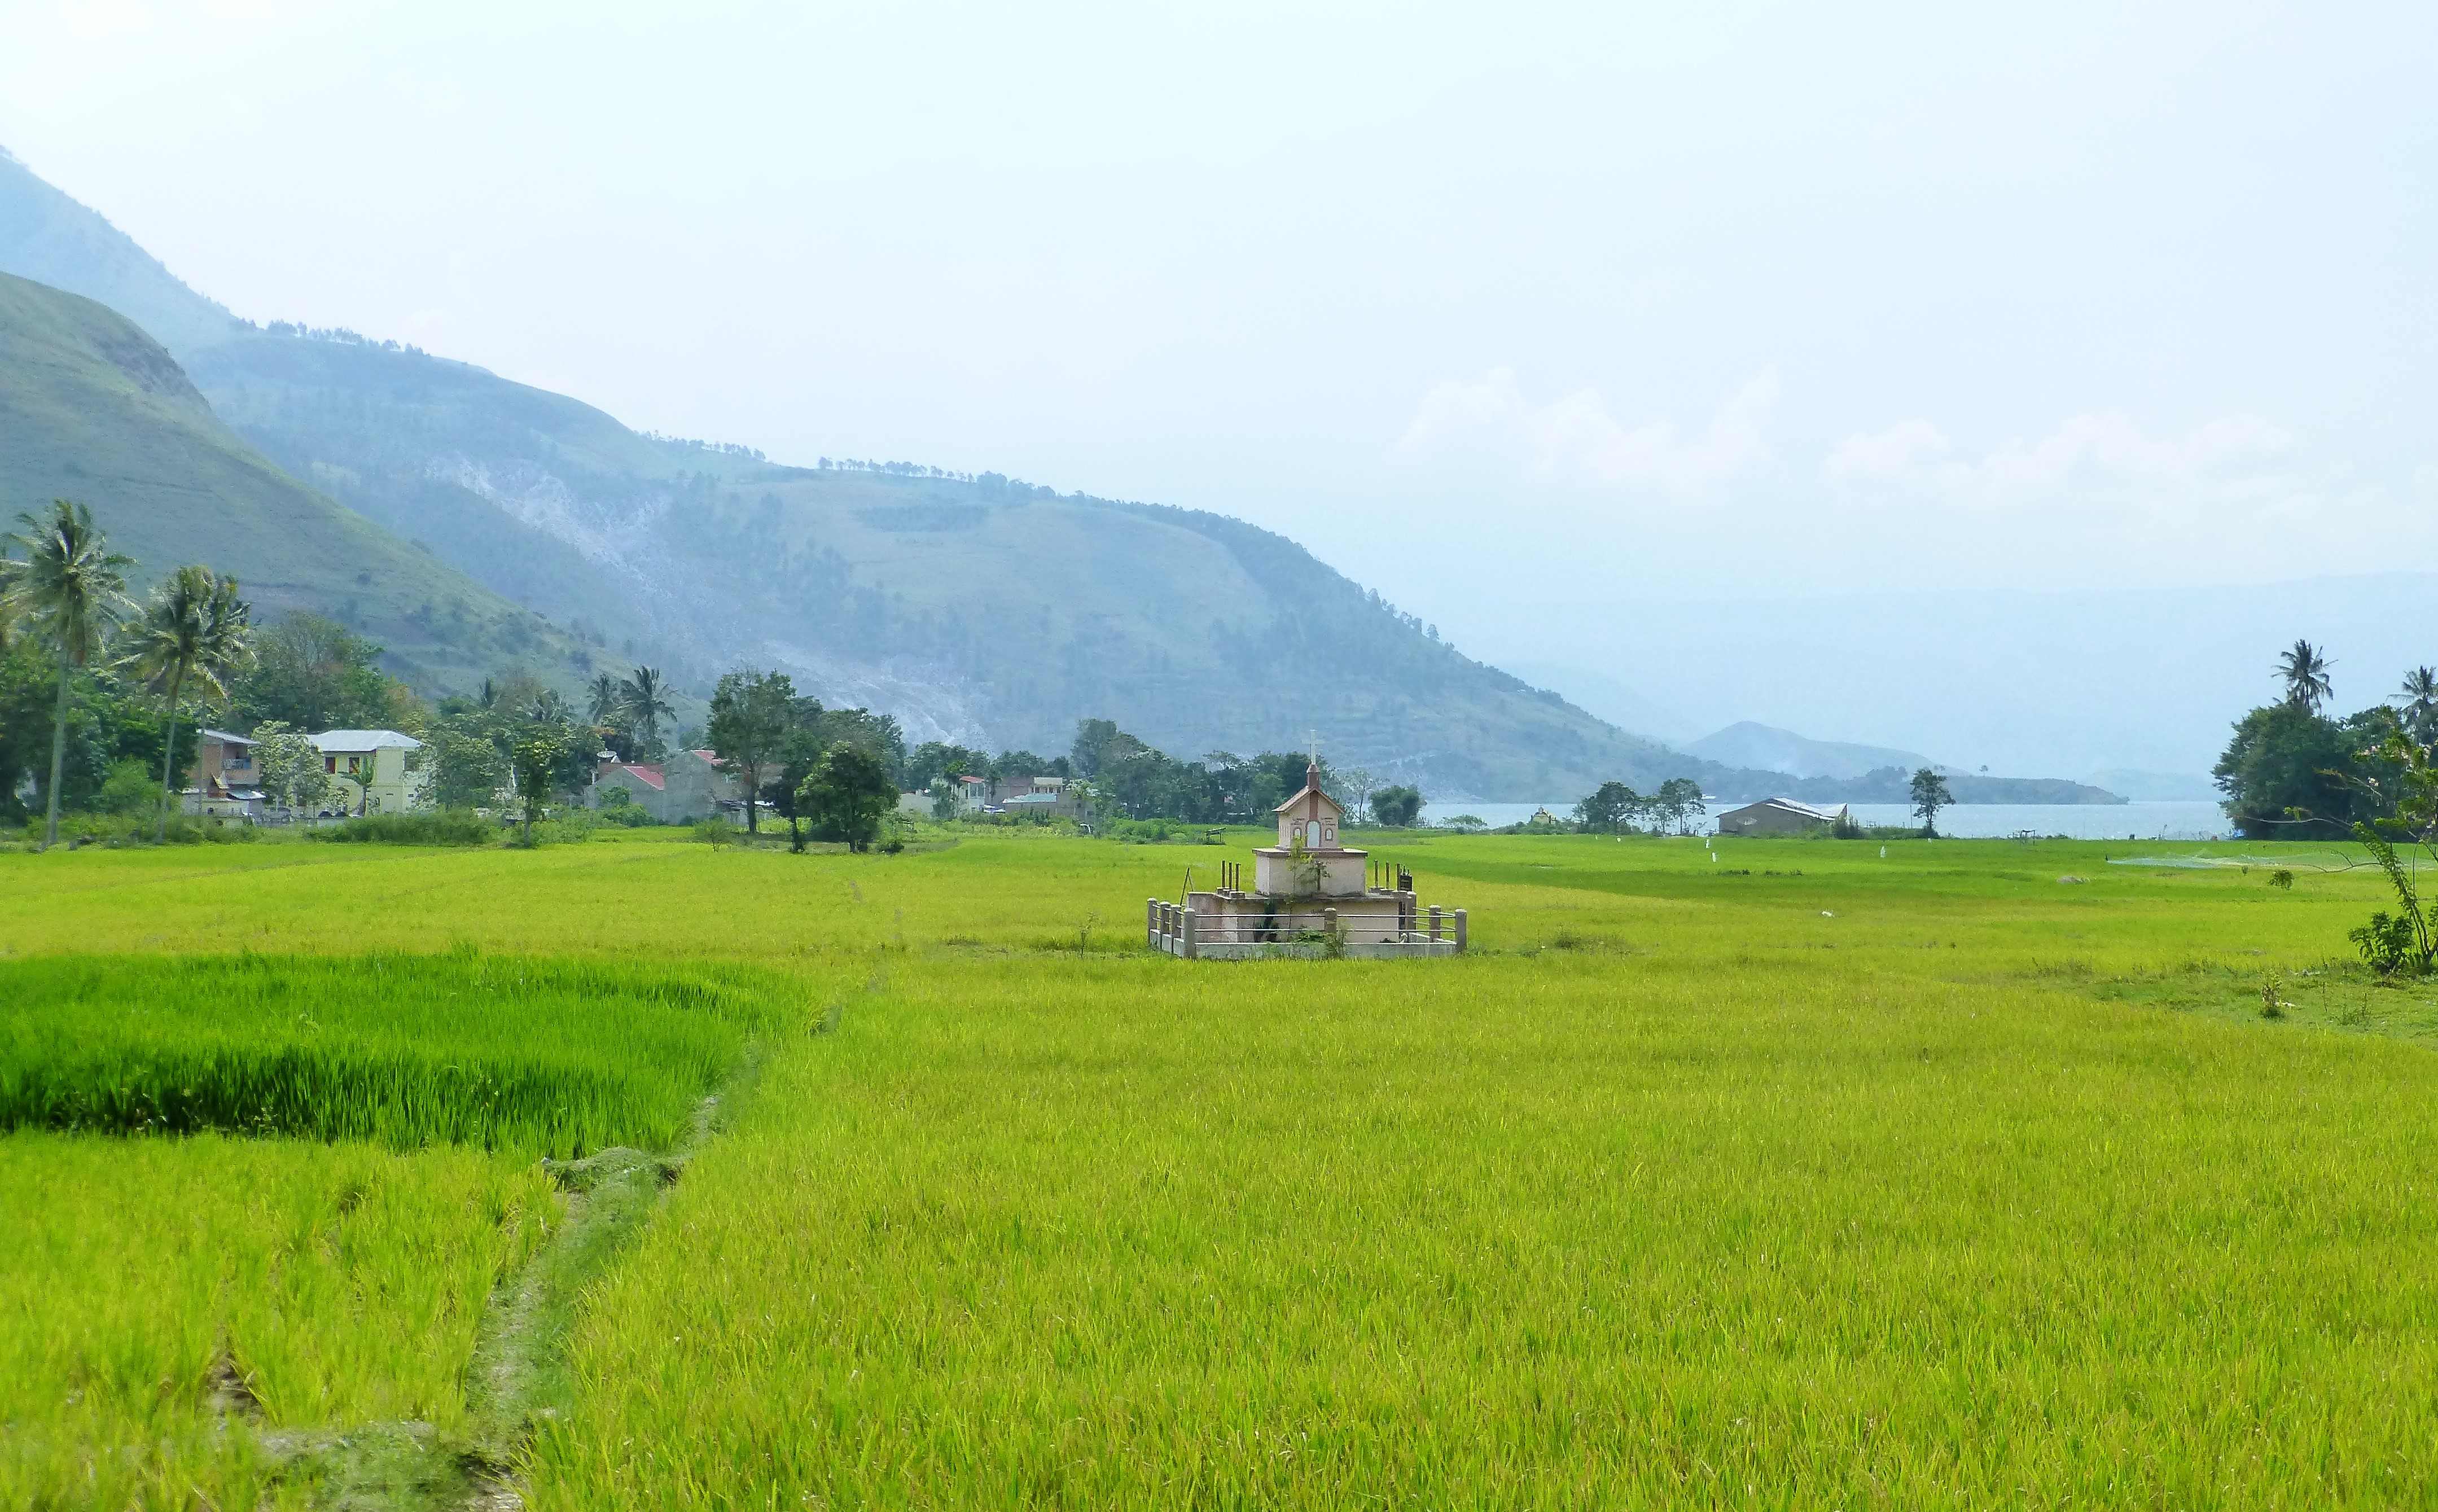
(2421, 700)
(603, 699)
(2306, 672)
(70, 591)
(647, 703)
(196, 628)
(548, 707)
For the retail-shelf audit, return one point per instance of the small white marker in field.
(1825, 914)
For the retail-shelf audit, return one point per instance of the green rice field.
(1790, 1173)
(518, 1052)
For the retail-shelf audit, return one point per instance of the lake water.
(1966, 821)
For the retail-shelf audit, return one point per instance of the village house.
(1780, 816)
(222, 783)
(1036, 797)
(375, 771)
(689, 786)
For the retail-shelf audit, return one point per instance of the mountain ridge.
(978, 608)
(94, 410)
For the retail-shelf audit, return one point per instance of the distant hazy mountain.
(93, 409)
(984, 609)
(1747, 744)
(2157, 786)
(2151, 679)
(1605, 695)
(51, 239)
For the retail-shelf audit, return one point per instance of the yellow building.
(375, 771)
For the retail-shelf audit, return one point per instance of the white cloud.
(2090, 447)
(1885, 454)
(2112, 444)
(1576, 434)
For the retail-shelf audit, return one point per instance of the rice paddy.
(178, 1315)
(529, 1055)
(1802, 1176)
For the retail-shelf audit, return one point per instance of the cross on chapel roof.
(1311, 791)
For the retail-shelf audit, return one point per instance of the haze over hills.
(1747, 744)
(93, 409)
(977, 609)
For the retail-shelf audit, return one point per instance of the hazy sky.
(1490, 307)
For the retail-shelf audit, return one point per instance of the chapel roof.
(1311, 788)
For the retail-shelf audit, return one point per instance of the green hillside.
(979, 610)
(51, 239)
(93, 409)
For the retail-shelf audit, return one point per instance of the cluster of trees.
(1614, 808)
(834, 772)
(103, 686)
(627, 711)
(936, 762)
(2295, 771)
(1128, 777)
(65, 619)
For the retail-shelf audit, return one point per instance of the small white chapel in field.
(1310, 895)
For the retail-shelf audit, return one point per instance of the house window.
(330, 764)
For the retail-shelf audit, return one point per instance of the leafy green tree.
(800, 749)
(1677, 804)
(313, 673)
(111, 720)
(1608, 808)
(1930, 794)
(849, 792)
(2400, 777)
(2305, 669)
(1355, 784)
(194, 629)
(71, 592)
(2291, 774)
(751, 715)
(1021, 766)
(1093, 737)
(936, 758)
(538, 759)
(1397, 805)
(127, 790)
(469, 768)
(290, 767)
(877, 734)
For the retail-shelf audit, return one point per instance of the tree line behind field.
(2295, 771)
(1118, 775)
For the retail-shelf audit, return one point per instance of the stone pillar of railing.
(1435, 923)
(1459, 931)
(1193, 944)
(1151, 922)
